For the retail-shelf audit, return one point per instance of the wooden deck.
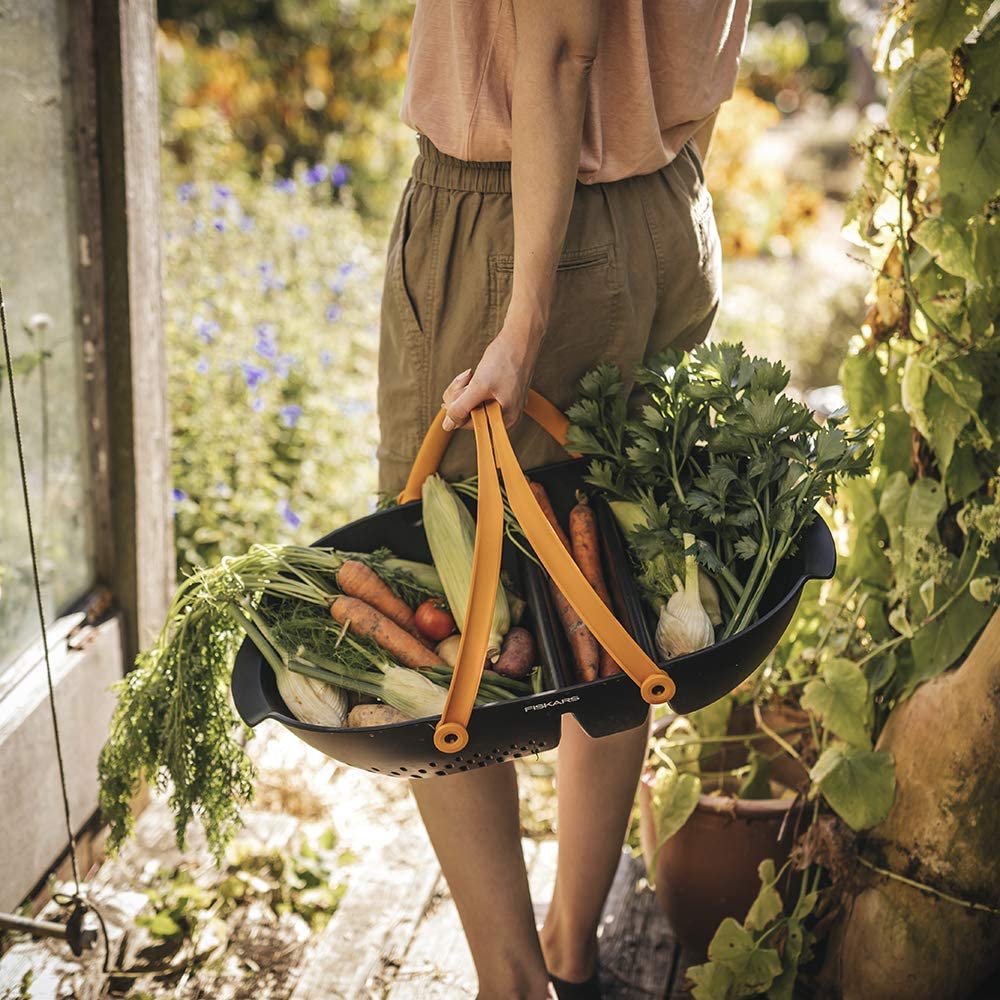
(395, 934)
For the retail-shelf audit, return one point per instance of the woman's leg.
(596, 784)
(473, 822)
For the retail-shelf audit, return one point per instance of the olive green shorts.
(640, 270)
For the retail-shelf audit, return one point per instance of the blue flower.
(202, 366)
(288, 515)
(290, 414)
(333, 312)
(340, 174)
(222, 192)
(257, 405)
(246, 223)
(285, 184)
(299, 231)
(316, 175)
(178, 495)
(186, 191)
(254, 376)
(219, 225)
(206, 329)
(283, 364)
(345, 268)
(266, 346)
(326, 357)
(265, 267)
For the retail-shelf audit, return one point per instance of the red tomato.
(434, 619)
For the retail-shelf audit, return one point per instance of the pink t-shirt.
(663, 67)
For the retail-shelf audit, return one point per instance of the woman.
(556, 218)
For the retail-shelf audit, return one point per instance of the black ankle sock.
(589, 990)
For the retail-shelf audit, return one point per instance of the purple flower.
(345, 268)
(206, 329)
(202, 366)
(219, 225)
(254, 376)
(316, 175)
(340, 174)
(288, 515)
(222, 192)
(178, 495)
(266, 347)
(290, 414)
(283, 364)
(257, 405)
(246, 223)
(333, 313)
(325, 358)
(186, 191)
(285, 184)
(265, 267)
(299, 231)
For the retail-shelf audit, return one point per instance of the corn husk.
(451, 534)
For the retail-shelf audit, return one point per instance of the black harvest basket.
(522, 727)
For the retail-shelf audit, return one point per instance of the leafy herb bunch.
(713, 447)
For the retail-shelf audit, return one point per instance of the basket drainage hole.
(375, 769)
(402, 769)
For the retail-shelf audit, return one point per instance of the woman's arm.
(556, 46)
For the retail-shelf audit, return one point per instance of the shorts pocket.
(584, 325)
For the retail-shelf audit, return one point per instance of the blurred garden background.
(283, 161)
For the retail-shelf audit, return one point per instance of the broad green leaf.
(840, 700)
(939, 645)
(711, 981)
(674, 797)
(712, 721)
(895, 449)
(757, 784)
(864, 385)
(768, 905)
(951, 244)
(970, 158)
(752, 966)
(913, 389)
(924, 506)
(945, 421)
(920, 97)
(963, 475)
(944, 23)
(858, 784)
(892, 505)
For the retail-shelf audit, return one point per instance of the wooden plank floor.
(396, 935)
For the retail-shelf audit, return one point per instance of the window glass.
(38, 269)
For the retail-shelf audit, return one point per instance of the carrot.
(586, 552)
(543, 501)
(358, 580)
(586, 650)
(365, 621)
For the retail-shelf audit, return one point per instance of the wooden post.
(138, 435)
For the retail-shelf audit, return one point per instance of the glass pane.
(38, 269)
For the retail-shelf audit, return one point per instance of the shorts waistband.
(443, 171)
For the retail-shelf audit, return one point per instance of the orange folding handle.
(494, 450)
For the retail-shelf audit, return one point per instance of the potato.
(517, 654)
(374, 715)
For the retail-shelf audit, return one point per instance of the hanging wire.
(38, 598)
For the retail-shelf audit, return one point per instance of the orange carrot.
(586, 649)
(543, 501)
(586, 552)
(358, 580)
(365, 621)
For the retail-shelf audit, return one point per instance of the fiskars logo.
(552, 704)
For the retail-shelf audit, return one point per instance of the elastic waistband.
(441, 170)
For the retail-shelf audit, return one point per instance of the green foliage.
(858, 784)
(258, 87)
(271, 311)
(719, 451)
(840, 701)
(761, 956)
(674, 796)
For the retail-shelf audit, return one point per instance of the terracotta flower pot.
(708, 870)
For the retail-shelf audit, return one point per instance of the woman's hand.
(503, 373)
